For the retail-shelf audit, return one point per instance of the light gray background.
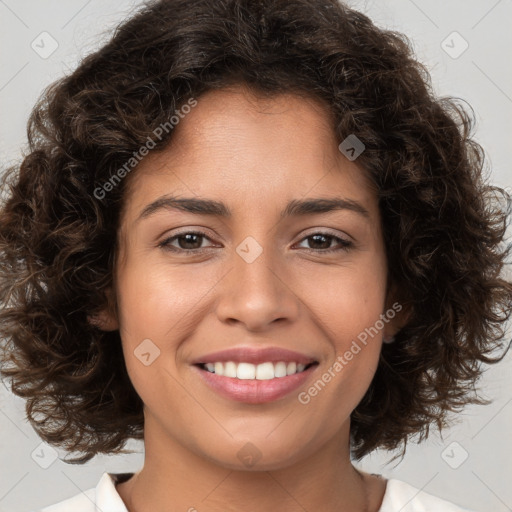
(481, 75)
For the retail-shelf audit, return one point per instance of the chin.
(256, 455)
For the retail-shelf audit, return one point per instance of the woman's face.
(272, 283)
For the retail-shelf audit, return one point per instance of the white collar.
(107, 497)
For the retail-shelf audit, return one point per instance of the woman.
(249, 234)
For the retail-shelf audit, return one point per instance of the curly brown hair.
(444, 227)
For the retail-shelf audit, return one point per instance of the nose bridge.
(254, 293)
(255, 265)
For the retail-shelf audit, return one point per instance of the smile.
(254, 384)
(249, 371)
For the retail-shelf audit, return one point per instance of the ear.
(105, 319)
(397, 312)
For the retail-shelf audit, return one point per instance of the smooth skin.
(254, 155)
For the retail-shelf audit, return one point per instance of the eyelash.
(165, 244)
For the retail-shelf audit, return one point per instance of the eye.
(188, 242)
(325, 240)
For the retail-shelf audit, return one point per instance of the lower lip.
(253, 391)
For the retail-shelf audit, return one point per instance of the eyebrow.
(215, 208)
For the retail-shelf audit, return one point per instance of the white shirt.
(399, 496)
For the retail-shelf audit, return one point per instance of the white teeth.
(248, 371)
(291, 368)
(265, 371)
(245, 371)
(280, 369)
(230, 369)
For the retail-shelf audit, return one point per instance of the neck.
(174, 475)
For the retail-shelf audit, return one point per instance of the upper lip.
(255, 356)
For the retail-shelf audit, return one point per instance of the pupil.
(188, 240)
(325, 238)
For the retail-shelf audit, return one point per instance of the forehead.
(236, 119)
(240, 102)
(235, 137)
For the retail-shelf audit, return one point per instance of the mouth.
(248, 371)
(255, 382)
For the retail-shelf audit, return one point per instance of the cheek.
(155, 300)
(347, 305)
(346, 301)
(159, 307)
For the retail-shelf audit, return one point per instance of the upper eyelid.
(205, 232)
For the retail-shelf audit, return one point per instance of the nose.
(257, 294)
